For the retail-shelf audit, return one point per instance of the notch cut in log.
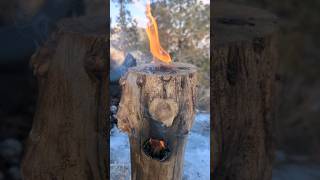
(243, 67)
(69, 135)
(157, 109)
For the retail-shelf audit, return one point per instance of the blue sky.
(137, 10)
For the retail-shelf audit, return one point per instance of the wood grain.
(69, 136)
(146, 96)
(243, 67)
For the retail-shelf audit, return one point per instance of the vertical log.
(243, 66)
(68, 139)
(157, 103)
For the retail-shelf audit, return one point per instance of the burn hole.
(164, 69)
(156, 149)
(160, 69)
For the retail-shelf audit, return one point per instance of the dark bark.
(243, 66)
(69, 136)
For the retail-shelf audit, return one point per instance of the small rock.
(118, 70)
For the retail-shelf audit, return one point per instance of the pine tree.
(184, 30)
(128, 27)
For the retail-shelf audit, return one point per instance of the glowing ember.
(152, 31)
(162, 144)
(156, 144)
(156, 149)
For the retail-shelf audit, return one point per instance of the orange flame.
(157, 145)
(152, 31)
(162, 144)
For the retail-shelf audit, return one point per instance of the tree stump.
(157, 109)
(69, 136)
(243, 66)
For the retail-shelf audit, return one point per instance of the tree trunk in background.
(158, 104)
(243, 65)
(69, 136)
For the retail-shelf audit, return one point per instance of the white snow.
(197, 155)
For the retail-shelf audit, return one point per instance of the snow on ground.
(197, 155)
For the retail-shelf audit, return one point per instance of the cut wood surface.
(69, 136)
(158, 103)
(243, 66)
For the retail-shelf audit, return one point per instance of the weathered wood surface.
(243, 66)
(69, 136)
(158, 105)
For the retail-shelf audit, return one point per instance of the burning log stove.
(156, 110)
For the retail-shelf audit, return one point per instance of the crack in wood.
(236, 21)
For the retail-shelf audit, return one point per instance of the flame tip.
(152, 32)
